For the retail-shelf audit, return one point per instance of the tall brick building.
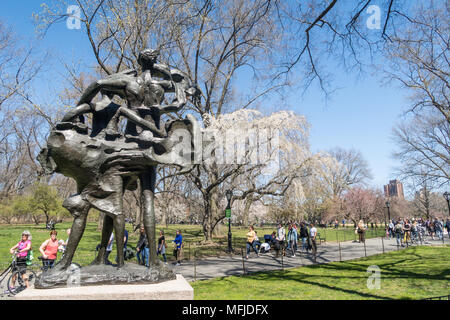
(394, 189)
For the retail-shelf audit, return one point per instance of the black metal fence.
(325, 252)
(439, 298)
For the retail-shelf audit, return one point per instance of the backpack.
(30, 257)
(438, 226)
(129, 253)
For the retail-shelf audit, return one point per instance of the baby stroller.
(265, 247)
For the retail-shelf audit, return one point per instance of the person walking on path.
(313, 234)
(142, 248)
(447, 225)
(281, 238)
(109, 249)
(304, 236)
(399, 233)
(361, 230)
(251, 243)
(23, 247)
(414, 232)
(162, 246)
(391, 229)
(407, 232)
(292, 238)
(438, 228)
(288, 244)
(430, 228)
(49, 251)
(178, 247)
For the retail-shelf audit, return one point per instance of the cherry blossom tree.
(364, 204)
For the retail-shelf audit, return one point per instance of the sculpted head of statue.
(147, 58)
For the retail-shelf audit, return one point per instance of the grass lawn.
(192, 237)
(414, 273)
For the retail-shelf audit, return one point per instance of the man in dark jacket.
(304, 236)
(142, 247)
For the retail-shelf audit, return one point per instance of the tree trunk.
(164, 215)
(248, 204)
(217, 231)
(47, 217)
(36, 219)
(101, 217)
(207, 232)
(210, 214)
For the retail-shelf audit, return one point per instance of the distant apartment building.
(394, 189)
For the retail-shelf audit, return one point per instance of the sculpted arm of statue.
(183, 88)
(162, 71)
(114, 84)
(180, 98)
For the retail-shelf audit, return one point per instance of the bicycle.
(21, 276)
(47, 265)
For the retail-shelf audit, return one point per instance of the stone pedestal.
(178, 289)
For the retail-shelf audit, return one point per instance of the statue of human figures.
(106, 163)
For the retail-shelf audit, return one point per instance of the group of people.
(143, 250)
(281, 242)
(49, 250)
(407, 231)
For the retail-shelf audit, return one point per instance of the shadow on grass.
(392, 266)
(276, 276)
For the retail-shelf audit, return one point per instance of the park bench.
(321, 239)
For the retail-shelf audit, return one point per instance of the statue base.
(102, 274)
(178, 289)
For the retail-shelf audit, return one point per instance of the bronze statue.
(105, 162)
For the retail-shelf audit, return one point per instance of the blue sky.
(360, 115)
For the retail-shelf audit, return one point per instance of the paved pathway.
(326, 252)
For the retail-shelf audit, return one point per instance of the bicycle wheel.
(19, 281)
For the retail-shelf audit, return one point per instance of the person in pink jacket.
(22, 248)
